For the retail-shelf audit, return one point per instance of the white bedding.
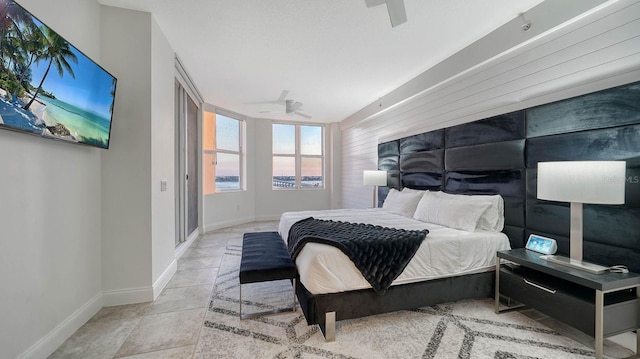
(445, 252)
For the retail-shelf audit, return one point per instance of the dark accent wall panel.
(382, 195)
(422, 181)
(388, 149)
(427, 161)
(505, 127)
(427, 141)
(393, 179)
(619, 143)
(613, 107)
(516, 236)
(632, 187)
(390, 163)
(490, 156)
(603, 224)
(508, 183)
(514, 209)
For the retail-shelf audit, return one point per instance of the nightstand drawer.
(569, 302)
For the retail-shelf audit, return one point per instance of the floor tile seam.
(154, 351)
(176, 311)
(206, 246)
(196, 268)
(204, 317)
(133, 328)
(206, 306)
(192, 285)
(183, 258)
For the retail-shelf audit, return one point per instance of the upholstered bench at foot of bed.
(265, 258)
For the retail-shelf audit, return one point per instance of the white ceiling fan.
(291, 106)
(397, 13)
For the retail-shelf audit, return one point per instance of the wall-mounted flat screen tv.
(47, 86)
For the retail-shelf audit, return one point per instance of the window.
(223, 153)
(298, 156)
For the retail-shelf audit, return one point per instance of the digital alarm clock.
(541, 244)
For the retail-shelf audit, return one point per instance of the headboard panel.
(482, 157)
(487, 157)
(500, 155)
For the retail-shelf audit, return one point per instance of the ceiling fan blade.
(372, 3)
(397, 12)
(294, 107)
(302, 114)
(283, 96)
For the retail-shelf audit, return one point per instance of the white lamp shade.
(597, 182)
(374, 178)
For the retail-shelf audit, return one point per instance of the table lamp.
(578, 182)
(375, 179)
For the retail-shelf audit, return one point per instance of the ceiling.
(333, 56)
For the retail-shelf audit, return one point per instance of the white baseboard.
(112, 298)
(267, 218)
(52, 341)
(164, 278)
(234, 222)
(186, 244)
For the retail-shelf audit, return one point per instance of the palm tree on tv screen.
(59, 53)
(11, 15)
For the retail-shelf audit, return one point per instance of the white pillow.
(492, 219)
(411, 190)
(403, 203)
(450, 212)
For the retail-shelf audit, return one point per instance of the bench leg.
(274, 311)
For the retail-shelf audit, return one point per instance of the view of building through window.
(298, 156)
(223, 160)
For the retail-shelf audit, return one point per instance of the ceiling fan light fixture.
(291, 106)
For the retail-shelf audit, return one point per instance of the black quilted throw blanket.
(380, 253)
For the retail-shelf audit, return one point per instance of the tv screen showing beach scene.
(47, 86)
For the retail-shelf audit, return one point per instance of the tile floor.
(170, 327)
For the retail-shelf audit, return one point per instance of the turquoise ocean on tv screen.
(83, 124)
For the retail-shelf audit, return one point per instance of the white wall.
(50, 263)
(334, 169)
(597, 51)
(126, 167)
(162, 156)
(138, 220)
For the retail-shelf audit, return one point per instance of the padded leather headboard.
(481, 157)
(500, 155)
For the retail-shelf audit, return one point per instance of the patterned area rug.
(465, 329)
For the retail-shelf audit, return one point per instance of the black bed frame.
(318, 308)
(499, 155)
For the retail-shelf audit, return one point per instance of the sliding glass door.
(186, 163)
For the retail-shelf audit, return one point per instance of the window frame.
(242, 123)
(299, 156)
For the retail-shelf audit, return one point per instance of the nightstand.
(600, 305)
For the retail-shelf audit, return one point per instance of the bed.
(455, 260)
